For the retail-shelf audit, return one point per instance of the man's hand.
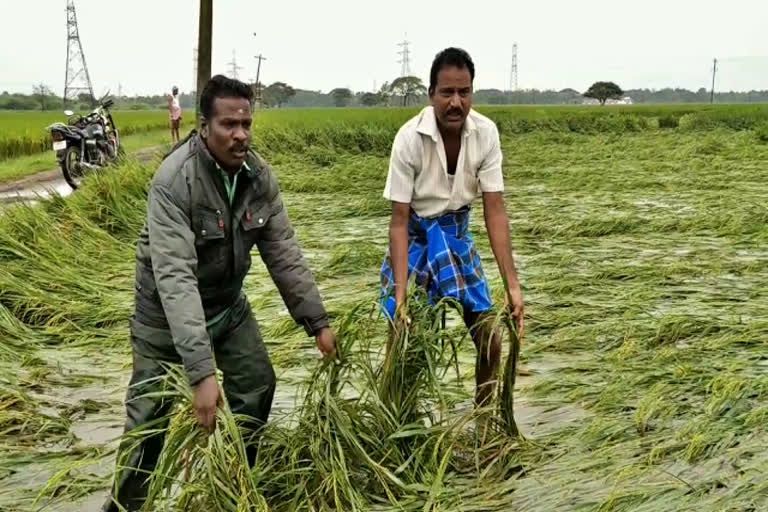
(513, 300)
(402, 320)
(207, 398)
(326, 342)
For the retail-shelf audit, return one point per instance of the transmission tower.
(405, 57)
(513, 71)
(77, 80)
(233, 67)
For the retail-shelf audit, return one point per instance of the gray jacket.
(194, 251)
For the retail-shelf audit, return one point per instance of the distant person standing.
(174, 111)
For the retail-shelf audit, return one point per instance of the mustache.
(239, 147)
(454, 112)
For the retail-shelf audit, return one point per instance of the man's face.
(452, 97)
(228, 133)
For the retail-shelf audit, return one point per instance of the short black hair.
(455, 57)
(220, 86)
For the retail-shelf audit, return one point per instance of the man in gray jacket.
(210, 202)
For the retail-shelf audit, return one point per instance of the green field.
(642, 254)
(24, 133)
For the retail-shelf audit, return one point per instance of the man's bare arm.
(398, 241)
(497, 224)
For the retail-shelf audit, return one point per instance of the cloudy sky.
(147, 45)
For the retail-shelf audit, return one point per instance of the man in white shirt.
(441, 160)
(174, 113)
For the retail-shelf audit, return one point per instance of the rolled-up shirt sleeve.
(490, 175)
(400, 178)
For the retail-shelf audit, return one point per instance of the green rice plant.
(23, 422)
(16, 339)
(24, 133)
(369, 431)
(761, 131)
(643, 264)
(354, 258)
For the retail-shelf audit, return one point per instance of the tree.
(278, 93)
(603, 91)
(407, 87)
(369, 99)
(384, 94)
(341, 96)
(42, 92)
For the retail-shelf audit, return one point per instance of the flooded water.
(36, 191)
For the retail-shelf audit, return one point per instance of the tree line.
(401, 91)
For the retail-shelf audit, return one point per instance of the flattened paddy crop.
(643, 375)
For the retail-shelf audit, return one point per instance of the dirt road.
(43, 184)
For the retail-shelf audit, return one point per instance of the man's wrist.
(313, 328)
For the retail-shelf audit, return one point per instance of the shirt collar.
(243, 167)
(428, 124)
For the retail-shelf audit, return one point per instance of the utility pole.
(513, 71)
(257, 85)
(233, 67)
(405, 57)
(260, 58)
(77, 80)
(194, 69)
(714, 72)
(204, 37)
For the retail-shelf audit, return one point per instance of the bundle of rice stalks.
(374, 431)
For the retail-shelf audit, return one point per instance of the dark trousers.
(249, 385)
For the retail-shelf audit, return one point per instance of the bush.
(669, 121)
(761, 131)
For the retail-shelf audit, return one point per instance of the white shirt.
(418, 173)
(175, 109)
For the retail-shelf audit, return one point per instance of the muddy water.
(103, 428)
(36, 192)
(44, 184)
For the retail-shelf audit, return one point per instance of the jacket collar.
(427, 124)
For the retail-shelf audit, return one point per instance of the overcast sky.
(147, 45)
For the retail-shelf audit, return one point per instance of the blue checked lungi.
(442, 256)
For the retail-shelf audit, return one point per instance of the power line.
(77, 80)
(405, 57)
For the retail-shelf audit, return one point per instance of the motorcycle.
(86, 144)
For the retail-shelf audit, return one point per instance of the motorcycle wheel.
(70, 167)
(116, 156)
